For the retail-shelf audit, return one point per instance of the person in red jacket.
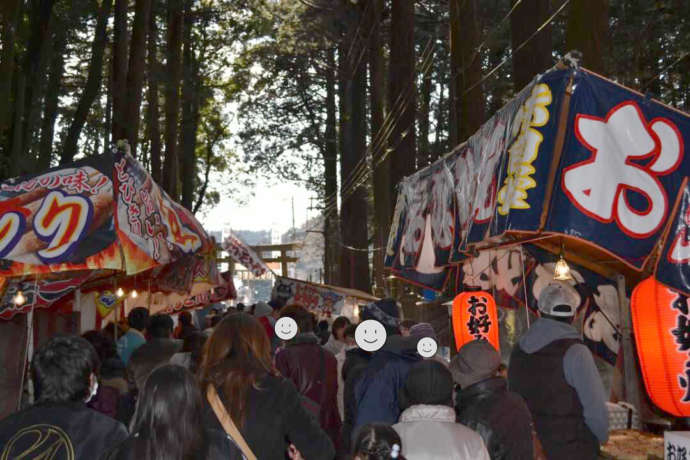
(313, 370)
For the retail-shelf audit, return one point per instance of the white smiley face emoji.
(286, 328)
(370, 335)
(427, 347)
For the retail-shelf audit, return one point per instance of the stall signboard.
(475, 317)
(310, 296)
(573, 154)
(241, 253)
(224, 291)
(59, 220)
(661, 322)
(153, 230)
(98, 213)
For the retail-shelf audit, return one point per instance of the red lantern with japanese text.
(661, 322)
(475, 318)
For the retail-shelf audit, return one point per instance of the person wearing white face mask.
(65, 374)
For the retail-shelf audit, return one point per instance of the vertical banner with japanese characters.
(475, 318)
(621, 170)
(661, 322)
(59, 220)
(152, 228)
(241, 253)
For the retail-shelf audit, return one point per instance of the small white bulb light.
(120, 292)
(561, 271)
(134, 294)
(19, 299)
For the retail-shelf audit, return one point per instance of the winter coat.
(68, 430)
(217, 446)
(276, 418)
(334, 345)
(578, 371)
(154, 353)
(356, 362)
(376, 393)
(300, 362)
(500, 417)
(429, 432)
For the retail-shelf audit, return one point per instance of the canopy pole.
(630, 383)
(524, 284)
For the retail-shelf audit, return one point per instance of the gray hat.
(476, 361)
(421, 330)
(559, 298)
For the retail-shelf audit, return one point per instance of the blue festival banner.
(622, 167)
(673, 268)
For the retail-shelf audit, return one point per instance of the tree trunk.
(10, 12)
(455, 70)
(424, 151)
(172, 97)
(153, 119)
(587, 31)
(135, 73)
(190, 113)
(51, 101)
(108, 122)
(120, 71)
(41, 12)
(93, 83)
(535, 56)
(353, 217)
(472, 97)
(382, 185)
(331, 174)
(401, 89)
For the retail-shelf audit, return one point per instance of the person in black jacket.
(168, 420)
(484, 403)
(59, 425)
(265, 407)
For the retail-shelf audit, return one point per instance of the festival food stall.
(577, 178)
(101, 221)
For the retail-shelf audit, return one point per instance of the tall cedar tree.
(172, 96)
(153, 116)
(119, 75)
(93, 83)
(354, 268)
(330, 159)
(535, 56)
(401, 93)
(587, 31)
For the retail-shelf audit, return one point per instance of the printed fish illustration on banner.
(59, 220)
(152, 228)
(661, 322)
(673, 267)
(475, 317)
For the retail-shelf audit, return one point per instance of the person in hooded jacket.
(355, 363)
(427, 424)
(555, 373)
(312, 369)
(484, 404)
(376, 392)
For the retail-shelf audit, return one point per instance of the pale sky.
(269, 209)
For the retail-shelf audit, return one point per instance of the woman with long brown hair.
(265, 407)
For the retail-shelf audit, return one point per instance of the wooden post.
(630, 381)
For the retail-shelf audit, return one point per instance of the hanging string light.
(134, 294)
(120, 292)
(561, 271)
(19, 299)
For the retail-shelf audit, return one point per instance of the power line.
(666, 69)
(512, 52)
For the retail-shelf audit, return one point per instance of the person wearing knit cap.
(427, 424)
(484, 403)
(555, 373)
(421, 330)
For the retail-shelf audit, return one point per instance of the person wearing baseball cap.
(555, 373)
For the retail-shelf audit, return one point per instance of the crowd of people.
(235, 391)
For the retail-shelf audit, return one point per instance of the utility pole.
(293, 218)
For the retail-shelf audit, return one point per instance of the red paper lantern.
(661, 322)
(475, 318)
